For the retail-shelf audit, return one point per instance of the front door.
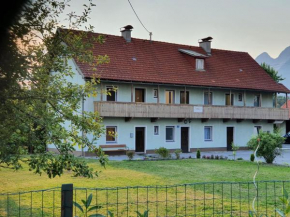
(230, 138)
(139, 95)
(140, 139)
(184, 139)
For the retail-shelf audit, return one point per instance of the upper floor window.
(229, 99)
(240, 97)
(184, 99)
(139, 95)
(199, 64)
(257, 100)
(208, 98)
(169, 96)
(111, 134)
(155, 93)
(111, 93)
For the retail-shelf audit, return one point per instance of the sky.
(253, 26)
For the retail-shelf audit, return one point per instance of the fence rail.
(198, 199)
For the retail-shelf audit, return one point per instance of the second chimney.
(205, 43)
(126, 32)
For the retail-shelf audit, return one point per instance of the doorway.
(230, 137)
(184, 140)
(139, 95)
(140, 139)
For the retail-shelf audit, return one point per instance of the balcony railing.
(154, 110)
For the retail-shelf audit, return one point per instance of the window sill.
(170, 141)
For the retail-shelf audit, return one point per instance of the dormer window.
(199, 64)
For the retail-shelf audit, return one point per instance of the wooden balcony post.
(244, 98)
(158, 94)
(286, 100)
(184, 95)
(132, 90)
(208, 97)
(231, 103)
(101, 91)
(260, 102)
(276, 100)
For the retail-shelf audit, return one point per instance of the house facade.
(179, 96)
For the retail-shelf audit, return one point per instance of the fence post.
(67, 200)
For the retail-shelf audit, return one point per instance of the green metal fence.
(198, 199)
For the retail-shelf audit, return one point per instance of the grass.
(143, 173)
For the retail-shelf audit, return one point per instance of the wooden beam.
(256, 121)
(239, 120)
(184, 95)
(154, 119)
(158, 94)
(127, 119)
(208, 97)
(132, 91)
(101, 91)
(276, 100)
(231, 103)
(286, 100)
(271, 121)
(180, 119)
(226, 120)
(203, 120)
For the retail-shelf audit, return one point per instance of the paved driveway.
(284, 159)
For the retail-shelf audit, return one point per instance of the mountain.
(281, 64)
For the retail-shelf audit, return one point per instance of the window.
(199, 64)
(155, 93)
(111, 93)
(169, 96)
(257, 129)
(240, 97)
(229, 100)
(156, 130)
(208, 99)
(111, 134)
(169, 134)
(184, 99)
(139, 95)
(257, 101)
(207, 133)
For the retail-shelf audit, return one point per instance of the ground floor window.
(111, 132)
(169, 134)
(156, 130)
(208, 133)
(257, 129)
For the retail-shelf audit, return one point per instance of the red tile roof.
(161, 62)
(284, 106)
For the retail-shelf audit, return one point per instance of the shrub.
(235, 148)
(212, 156)
(221, 157)
(207, 157)
(177, 153)
(270, 145)
(198, 154)
(240, 158)
(203, 156)
(217, 157)
(189, 157)
(130, 155)
(252, 158)
(162, 152)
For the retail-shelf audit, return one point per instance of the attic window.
(199, 64)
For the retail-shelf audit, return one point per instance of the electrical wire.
(139, 18)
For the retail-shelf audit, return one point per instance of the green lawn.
(143, 173)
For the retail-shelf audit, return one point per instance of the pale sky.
(253, 26)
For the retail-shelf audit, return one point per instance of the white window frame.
(155, 93)
(199, 64)
(211, 130)
(173, 97)
(230, 99)
(116, 92)
(115, 138)
(242, 97)
(158, 131)
(211, 98)
(173, 127)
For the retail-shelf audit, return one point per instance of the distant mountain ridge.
(281, 64)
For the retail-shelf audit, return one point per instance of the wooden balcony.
(154, 110)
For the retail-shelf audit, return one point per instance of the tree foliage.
(35, 103)
(272, 72)
(270, 145)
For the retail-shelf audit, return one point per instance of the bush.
(221, 157)
(252, 158)
(203, 156)
(177, 153)
(217, 157)
(130, 155)
(270, 145)
(212, 156)
(240, 158)
(234, 149)
(162, 152)
(198, 154)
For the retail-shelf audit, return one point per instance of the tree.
(35, 104)
(272, 72)
(270, 145)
